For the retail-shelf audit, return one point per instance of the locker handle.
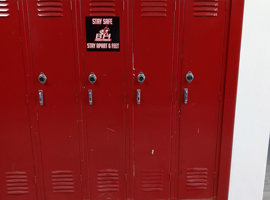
(138, 96)
(185, 96)
(41, 100)
(90, 96)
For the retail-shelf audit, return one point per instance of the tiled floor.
(266, 195)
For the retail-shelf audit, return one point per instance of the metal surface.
(138, 96)
(92, 78)
(41, 99)
(189, 77)
(185, 95)
(17, 167)
(90, 96)
(153, 41)
(141, 77)
(52, 52)
(203, 55)
(105, 130)
(42, 78)
(165, 137)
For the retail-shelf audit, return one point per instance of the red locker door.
(16, 168)
(51, 37)
(153, 37)
(105, 115)
(204, 54)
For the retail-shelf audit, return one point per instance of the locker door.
(51, 37)
(153, 37)
(16, 168)
(203, 50)
(105, 113)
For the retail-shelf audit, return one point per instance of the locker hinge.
(35, 180)
(18, 6)
(27, 99)
(219, 96)
(214, 174)
(71, 5)
(76, 99)
(81, 178)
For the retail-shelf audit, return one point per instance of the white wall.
(252, 121)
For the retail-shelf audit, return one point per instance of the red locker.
(103, 106)
(153, 40)
(205, 34)
(52, 53)
(16, 165)
(117, 99)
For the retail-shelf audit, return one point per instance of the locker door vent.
(152, 180)
(62, 181)
(50, 8)
(4, 9)
(197, 179)
(102, 7)
(108, 180)
(154, 8)
(17, 183)
(206, 8)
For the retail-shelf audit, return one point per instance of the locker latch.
(185, 96)
(138, 96)
(90, 96)
(40, 94)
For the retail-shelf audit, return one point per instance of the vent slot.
(197, 179)
(4, 9)
(152, 181)
(154, 8)
(17, 183)
(108, 180)
(206, 8)
(102, 7)
(62, 181)
(50, 8)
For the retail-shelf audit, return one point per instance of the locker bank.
(117, 99)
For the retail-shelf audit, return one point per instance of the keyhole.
(141, 77)
(92, 78)
(42, 78)
(189, 77)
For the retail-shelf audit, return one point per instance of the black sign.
(102, 33)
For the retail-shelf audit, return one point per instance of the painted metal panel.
(52, 51)
(17, 167)
(204, 50)
(105, 116)
(116, 138)
(153, 39)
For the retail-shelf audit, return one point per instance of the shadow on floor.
(266, 195)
